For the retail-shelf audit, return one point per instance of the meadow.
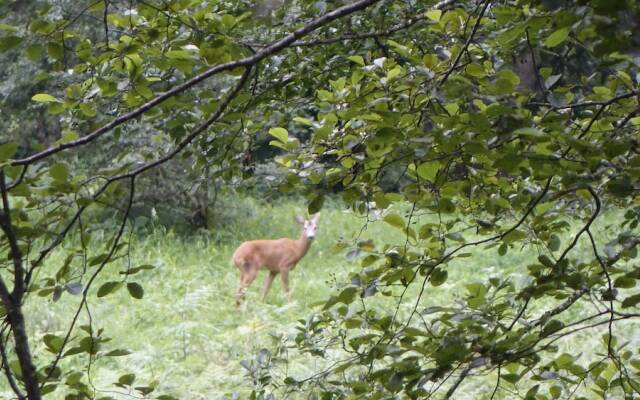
(186, 333)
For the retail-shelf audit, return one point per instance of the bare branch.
(585, 103)
(495, 389)
(541, 86)
(360, 36)
(463, 375)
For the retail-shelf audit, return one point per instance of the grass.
(186, 333)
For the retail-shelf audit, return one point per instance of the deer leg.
(245, 282)
(267, 284)
(284, 275)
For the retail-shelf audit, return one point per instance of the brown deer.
(278, 256)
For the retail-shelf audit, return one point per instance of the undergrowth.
(186, 334)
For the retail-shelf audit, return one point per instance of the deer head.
(309, 226)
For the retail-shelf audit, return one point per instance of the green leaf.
(394, 220)
(438, 277)
(434, 15)
(430, 60)
(621, 186)
(118, 353)
(531, 393)
(98, 259)
(546, 261)
(228, 20)
(8, 28)
(127, 379)
(53, 342)
(511, 378)
(46, 389)
(68, 136)
(555, 391)
(557, 37)
(179, 54)
(347, 295)
(532, 132)
(514, 236)
(325, 95)
(552, 326)
(554, 243)
(624, 282)
(394, 73)
(87, 110)
(9, 42)
(564, 360)
(55, 51)
(315, 205)
(108, 287)
(59, 172)
(428, 170)
(137, 269)
(475, 70)
(7, 151)
(303, 121)
(357, 59)
(44, 98)
(509, 76)
(631, 301)
(135, 290)
(280, 133)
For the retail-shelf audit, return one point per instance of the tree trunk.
(29, 376)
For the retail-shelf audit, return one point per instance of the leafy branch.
(246, 62)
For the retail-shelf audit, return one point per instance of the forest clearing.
(434, 199)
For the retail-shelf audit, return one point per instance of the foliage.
(186, 334)
(515, 120)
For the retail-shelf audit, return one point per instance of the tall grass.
(186, 333)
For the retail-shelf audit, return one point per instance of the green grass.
(186, 332)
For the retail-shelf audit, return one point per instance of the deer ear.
(299, 220)
(316, 217)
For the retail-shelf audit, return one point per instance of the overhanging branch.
(246, 62)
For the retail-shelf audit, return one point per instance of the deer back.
(272, 254)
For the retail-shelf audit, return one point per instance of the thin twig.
(466, 44)
(85, 292)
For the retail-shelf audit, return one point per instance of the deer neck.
(303, 244)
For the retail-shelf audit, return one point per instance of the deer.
(278, 256)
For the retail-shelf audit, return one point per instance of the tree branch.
(466, 44)
(13, 302)
(585, 103)
(85, 292)
(246, 62)
(7, 370)
(16, 254)
(131, 174)
(463, 375)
